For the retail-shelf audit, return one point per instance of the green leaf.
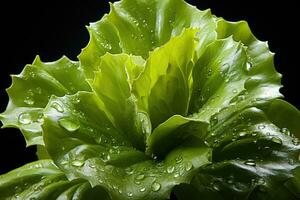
(279, 111)
(137, 27)
(163, 88)
(43, 180)
(224, 78)
(252, 159)
(31, 90)
(173, 133)
(113, 85)
(85, 144)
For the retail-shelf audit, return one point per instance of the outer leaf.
(31, 90)
(43, 180)
(137, 27)
(223, 78)
(84, 143)
(279, 111)
(252, 159)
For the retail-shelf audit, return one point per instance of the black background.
(52, 29)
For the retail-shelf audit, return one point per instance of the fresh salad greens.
(164, 98)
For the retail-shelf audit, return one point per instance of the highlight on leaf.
(165, 98)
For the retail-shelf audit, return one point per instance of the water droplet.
(77, 100)
(214, 121)
(295, 141)
(291, 161)
(230, 180)
(242, 134)
(155, 186)
(216, 187)
(129, 171)
(39, 90)
(276, 140)
(285, 131)
(234, 91)
(178, 159)
(188, 166)
(250, 162)
(248, 66)
(261, 126)
(28, 101)
(176, 175)
(105, 157)
(69, 124)
(254, 134)
(57, 107)
(99, 140)
(209, 72)
(129, 194)
(137, 182)
(143, 189)
(140, 177)
(170, 169)
(77, 163)
(24, 118)
(92, 165)
(261, 181)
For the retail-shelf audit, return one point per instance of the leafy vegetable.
(165, 98)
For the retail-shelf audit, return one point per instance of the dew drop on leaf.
(155, 186)
(170, 169)
(254, 134)
(242, 134)
(68, 124)
(28, 101)
(250, 162)
(214, 121)
(140, 177)
(285, 131)
(188, 166)
(216, 187)
(178, 159)
(129, 171)
(99, 140)
(295, 141)
(91, 165)
(291, 161)
(261, 126)
(77, 163)
(248, 66)
(261, 181)
(24, 118)
(276, 140)
(129, 194)
(143, 189)
(57, 107)
(234, 91)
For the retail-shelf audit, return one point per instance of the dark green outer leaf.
(43, 180)
(252, 159)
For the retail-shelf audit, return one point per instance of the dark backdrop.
(52, 29)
